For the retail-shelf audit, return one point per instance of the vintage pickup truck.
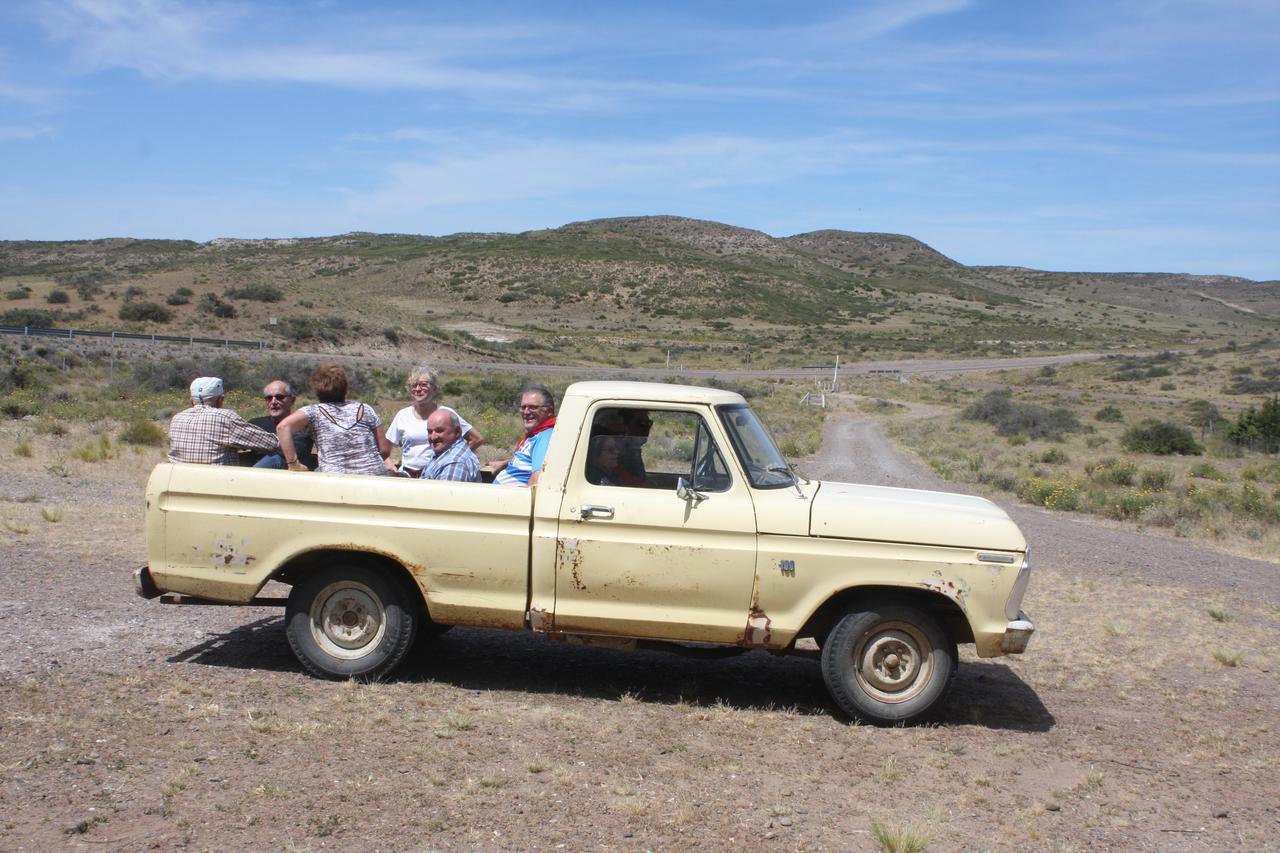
(716, 543)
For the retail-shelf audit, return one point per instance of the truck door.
(637, 556)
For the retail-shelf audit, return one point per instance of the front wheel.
(350, 621)
(887, 664)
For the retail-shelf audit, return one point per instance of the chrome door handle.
(594, 511)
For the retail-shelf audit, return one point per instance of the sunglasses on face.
(270, 397)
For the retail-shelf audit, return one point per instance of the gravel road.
(856, 450)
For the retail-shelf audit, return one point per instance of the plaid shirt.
(212, 436)
(457, 463)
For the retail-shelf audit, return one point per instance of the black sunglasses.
(270, 397)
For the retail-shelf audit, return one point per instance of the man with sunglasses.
(538, 414)
(279, 398)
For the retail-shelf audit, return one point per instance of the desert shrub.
(211, 304)
(1010, 418)
(1206, 471)
(1114, 472)
(256, 293)
(58, 297)
(1155, 479)
(146, 312)
(33, 317)
(1110, 414)
(1168, 386)
(308, 329)
(1162, 438)
(18, 293)
(1054, 456)
(94, 451)
(23, 449)
(143, 432)
(1052, 494)
(1127, 506)
(176, 298)
(392, 335)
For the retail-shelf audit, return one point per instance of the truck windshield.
(766, 468)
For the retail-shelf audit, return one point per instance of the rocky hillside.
(603, 288)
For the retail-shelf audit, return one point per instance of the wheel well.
(303, 564)
(946, 611)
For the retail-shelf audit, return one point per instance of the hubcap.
(893, 662)
(347, 620)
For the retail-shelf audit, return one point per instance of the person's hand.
(391, 467)
(499, 465)
(296, 465)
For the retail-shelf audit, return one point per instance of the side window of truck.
(652, 449)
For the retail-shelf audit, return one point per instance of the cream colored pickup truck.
(693, 531)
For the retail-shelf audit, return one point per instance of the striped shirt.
(209, 436)
(344, 439)
(457, 463)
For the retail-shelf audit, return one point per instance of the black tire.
(351, 621)
(888, 663)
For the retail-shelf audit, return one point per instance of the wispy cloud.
(562, 167)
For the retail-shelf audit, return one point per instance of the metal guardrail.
(33, 331)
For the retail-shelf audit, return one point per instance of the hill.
(622, 291)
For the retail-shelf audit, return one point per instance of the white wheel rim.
(347, 620)
(893, 663)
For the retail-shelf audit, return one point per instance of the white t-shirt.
(410, 432)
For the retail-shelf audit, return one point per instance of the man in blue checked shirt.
(451, 458)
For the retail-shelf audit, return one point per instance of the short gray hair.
(548, 399)
(422, 370)
(288, 387)
(455, 422)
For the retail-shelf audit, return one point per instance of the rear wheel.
(887, 664)
(350, 621)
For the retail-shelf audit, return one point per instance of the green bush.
(143, 432)
(18, 293)
(57, 297)
(211, 304)
(256, 293)
(1052, 494)
(1009, 418)
(33, 317)
(1206, 471)
(177, 299)
(1155, 479)
(1114, 472)
(146, 312)
(1054, 456)
(1127, 506)
(1258, 429)
(1161, 438)
(1110, 414)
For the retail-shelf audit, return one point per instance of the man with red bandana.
(538, 412)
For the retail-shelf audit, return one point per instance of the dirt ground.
(1143, 717)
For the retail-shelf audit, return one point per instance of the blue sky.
(1109, 135)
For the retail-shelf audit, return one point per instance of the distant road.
(905, 366)
(926, 366)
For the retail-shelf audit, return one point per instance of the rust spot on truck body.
(949, 588)
(759, 625)
(541, 620)
(568, 554)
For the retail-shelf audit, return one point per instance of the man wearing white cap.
(208, 434)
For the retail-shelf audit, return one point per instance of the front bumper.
(1017, 634)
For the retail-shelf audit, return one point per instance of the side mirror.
(687, 493)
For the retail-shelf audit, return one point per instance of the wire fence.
(71, 334)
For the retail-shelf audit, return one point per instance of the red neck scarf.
(547, 424)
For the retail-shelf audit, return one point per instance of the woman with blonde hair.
(409, 427)
(347, 434)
